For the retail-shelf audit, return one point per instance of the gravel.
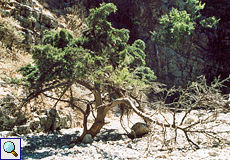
(111, 143)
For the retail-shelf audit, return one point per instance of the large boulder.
(51, 120)
(138, 130)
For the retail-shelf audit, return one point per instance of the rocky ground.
(112, 143)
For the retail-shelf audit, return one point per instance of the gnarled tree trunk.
(101, 113)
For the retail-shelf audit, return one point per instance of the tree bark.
(101, 113)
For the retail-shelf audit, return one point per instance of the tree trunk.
(99, 121)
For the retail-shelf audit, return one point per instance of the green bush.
(59, 39)
(9, 35)
(177, 25)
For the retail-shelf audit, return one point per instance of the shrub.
(9, 35)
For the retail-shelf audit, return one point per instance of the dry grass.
(76, 19)
(12, 60)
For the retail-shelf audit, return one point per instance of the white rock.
(213, 153)
(5, 134)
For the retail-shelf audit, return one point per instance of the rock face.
(9, 115)
(138, 130)
(32, 19)
(45, 120)
(51, 120)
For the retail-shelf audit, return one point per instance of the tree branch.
(67, 101)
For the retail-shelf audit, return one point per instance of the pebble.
(129, 146)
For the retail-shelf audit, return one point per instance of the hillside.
(75, 86)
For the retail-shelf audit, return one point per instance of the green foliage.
(101, 54)
(52, 63)
(145, 74)
(139, 44)
(177, 26)
(210, 22)
(108, 44)
(59, 39)
(12, 80)
(30, 72)
(135, 21)
(193, 7)
(103, 39)
(133, 56)
(120, 76)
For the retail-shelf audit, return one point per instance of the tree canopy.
(102, 53)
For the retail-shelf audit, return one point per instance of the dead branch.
(198, 94)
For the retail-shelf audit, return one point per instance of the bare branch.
(67, 101)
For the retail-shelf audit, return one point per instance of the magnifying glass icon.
(9, 147)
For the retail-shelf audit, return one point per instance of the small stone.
(213, 154)
(129, 146)
(97, 156)
(189, 121)
(123, 136)
(161, 156)
(87, 139)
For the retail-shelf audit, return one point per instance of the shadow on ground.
(41, 146)
(110, 135)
